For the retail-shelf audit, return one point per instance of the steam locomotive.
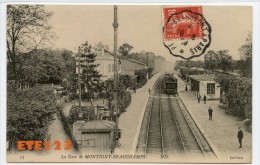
(170, 84)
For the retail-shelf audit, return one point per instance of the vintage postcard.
(162, 83)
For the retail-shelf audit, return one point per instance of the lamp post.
(115, 25)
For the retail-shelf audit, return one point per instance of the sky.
(141, 27)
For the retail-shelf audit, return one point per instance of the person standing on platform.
(199, 97)
(186, 87)
(240, 136)
(210, 110)
(204, 98)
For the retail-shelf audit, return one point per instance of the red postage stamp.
(182, 22)
(186, 33)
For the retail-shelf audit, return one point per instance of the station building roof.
(97, 126)
(202, 77)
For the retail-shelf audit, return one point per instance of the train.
(170, 84)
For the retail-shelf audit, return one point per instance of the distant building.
(204, 84)
(129, 66)
(106, 64)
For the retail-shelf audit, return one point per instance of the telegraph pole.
(79, 81)
(115, 25)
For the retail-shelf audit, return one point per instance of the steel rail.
(201, 149)
(149, 121)
(211, 150)
(160, 112)
(148, 127)
(177, 125)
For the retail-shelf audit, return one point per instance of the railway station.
(176, 92)
(177, 126)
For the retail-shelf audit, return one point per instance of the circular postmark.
(186, 34)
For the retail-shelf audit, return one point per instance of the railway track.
(168, 129)
(202, 144)
(154, 141)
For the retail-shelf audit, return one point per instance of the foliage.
(238, 91)
(90, 76)
(87, 113)
(99, 46)
(188, 71)
(225, 60)
(30, 113)
(141, 77)
(246, 49)
(218, 60)
(125, 81)
(124, 101)
(43, 66)
(150, 72)
(123, 96)
(125, 49)
(245, 64)
(27, 30)
(145, 57)
(189, 64)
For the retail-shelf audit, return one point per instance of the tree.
(27, 29)
(90, 75)
(211, 60)
(125, 49)
(189, 63)
(225, 60)
(218, 60)
(246, 57)
(99, 46)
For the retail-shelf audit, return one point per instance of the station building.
(94, 136)
(204, 84)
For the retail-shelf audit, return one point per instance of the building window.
(112, 67)
(109, 68)
(211, 88)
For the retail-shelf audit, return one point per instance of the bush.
(238, 91)
(88, 114)
(85, 95)
(103, 95)
(30, 112)
(141, 77)
(73, 96)
(124, 101)
(223, 106)
(150, 72)
(125, 81)
(248, 124)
